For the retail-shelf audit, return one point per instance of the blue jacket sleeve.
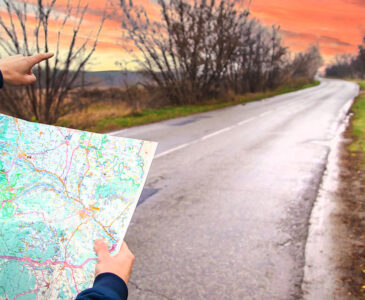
(106, 286)
(1, 80)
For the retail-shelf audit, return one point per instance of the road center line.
(246, 121)
(208, 136)
(265, 113)
(174, 149)
(216, 132)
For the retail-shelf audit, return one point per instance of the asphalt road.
(225, 211)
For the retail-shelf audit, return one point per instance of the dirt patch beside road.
(351, 218)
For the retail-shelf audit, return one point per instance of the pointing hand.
(17, 69)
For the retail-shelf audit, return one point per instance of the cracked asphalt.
(225, 211)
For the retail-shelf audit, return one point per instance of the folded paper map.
(60, 189)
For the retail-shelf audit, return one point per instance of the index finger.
(35, 59)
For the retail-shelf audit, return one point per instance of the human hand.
(120, 264)
(17, 69)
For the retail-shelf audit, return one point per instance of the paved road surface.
(225, 211)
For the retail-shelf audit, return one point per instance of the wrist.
(4, 73)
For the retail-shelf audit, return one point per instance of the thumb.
(101, 249)
(29, 79)
(123, 250)
(125, 253)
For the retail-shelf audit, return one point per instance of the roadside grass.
(104, 118)
(358, 122)
(85, 119)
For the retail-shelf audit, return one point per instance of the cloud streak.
(336, 25)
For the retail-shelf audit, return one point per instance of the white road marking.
(208, 136)
(216, 133)
(118, 131)
(265, 113)
(246, 121)
(174, 149)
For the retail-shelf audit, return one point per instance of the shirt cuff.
(1, 80)
(113, 282)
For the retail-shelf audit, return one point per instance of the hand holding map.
(120, 264)
(60, 189)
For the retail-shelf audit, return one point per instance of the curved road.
(225, 211)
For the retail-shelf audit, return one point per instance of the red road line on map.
(73, 277)
(72, 155)
(59, 178)
(60, 131)
(83, 176)
(63, 171)
(69, 240)
(33, 212)
(116, 218)
(48, 261)
(88, 166)
(59, 274)
(27, 292)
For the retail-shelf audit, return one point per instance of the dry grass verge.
(111, 114)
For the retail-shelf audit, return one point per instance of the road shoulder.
(335, 260)
(351, 218)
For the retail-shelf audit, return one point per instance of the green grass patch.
(361, 84)
(155, 115)
(358, 122)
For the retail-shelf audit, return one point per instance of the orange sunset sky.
(336, 25)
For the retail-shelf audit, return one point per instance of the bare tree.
(44, 100)
(306, 64)
(359, 63)
(201, 49)
(347, 65)
(254, 55)
(343, 66)
(187, 53)
(260, 59)
(277, 62)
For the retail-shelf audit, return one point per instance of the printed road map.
(60, 189)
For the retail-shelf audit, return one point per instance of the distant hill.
(109, 78)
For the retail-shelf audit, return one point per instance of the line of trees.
(349, 66)
(203, 48)
(196, 50)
